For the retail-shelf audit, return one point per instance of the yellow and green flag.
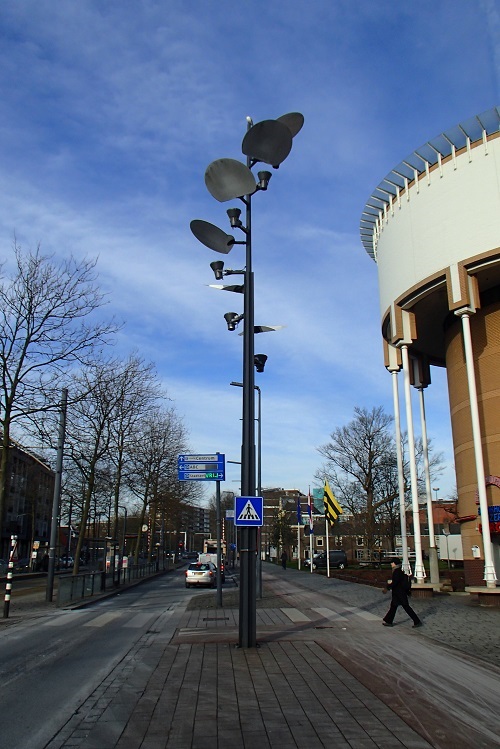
(332, 507)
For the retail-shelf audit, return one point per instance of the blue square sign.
(248, 511)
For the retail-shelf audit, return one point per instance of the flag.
(332, 507)
(309, 510)
(299, 512)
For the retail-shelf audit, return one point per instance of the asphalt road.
(50, 664)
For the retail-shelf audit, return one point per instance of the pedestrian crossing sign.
(248, 511)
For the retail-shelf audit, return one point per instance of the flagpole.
(299, 525)
(327, 548)
(311, 529)
(332, 511)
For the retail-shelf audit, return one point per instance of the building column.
(393, 365)
(419, 565)
(489, 567)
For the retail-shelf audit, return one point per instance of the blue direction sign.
(248, 511)
(201, 467)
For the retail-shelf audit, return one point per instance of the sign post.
(208, 467)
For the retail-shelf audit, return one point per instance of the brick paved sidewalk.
(215, 695)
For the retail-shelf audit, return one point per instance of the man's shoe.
(417, 624)
(387, 624)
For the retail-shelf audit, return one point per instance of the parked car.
(22, 565)
(201, 573)
(66, 562)
(338, 558)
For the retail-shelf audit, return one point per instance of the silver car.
(201, 573)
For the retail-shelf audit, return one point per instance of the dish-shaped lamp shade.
(227, 179)
(293, 121)
(268, 141)
(211, 236)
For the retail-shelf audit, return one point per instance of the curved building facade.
(433, 228)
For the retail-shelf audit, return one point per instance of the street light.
(436, 489)
(270, 142)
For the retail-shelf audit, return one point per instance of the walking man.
(284, 558)
(399, 587)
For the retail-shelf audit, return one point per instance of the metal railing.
(73, 588)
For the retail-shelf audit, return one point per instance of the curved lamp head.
(264, 178)
(227, 179)
(218, 269)
(211, 236)
(232, 319)
(269, 141)
(293, 121)
(260, 362)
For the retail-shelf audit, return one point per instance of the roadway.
(50, 664)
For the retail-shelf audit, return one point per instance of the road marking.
(139, 620)
(367, 615)
(64, 618)
(101, 621)
(295, 615)
(329, 614)
(332, 615)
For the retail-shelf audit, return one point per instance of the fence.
(78, 587)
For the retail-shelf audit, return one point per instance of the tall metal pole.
(219, 539)
(248, 535)
(54, 526)
(259, 491)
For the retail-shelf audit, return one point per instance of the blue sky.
(111, 112)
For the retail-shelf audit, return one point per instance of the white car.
(201, 573)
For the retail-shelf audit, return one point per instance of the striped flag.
(299, 512)
(309, 510)
(332, 507)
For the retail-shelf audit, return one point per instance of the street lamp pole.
(269, 142)
(259, 481)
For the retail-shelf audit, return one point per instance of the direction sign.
(201, 467)
(201, 476)
(249, 511)
(214, 458)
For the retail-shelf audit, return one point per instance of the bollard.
(8, 587)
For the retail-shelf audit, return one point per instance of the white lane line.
(329, 614)
(139, 620)
(101, 621)
(333, 615)
(295, 615)
(68, 617)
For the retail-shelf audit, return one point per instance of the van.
(338, 558)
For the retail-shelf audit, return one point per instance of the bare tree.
(88, 431)
(138, 391)
(362, 466)
(163, 437)
(46, 325)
